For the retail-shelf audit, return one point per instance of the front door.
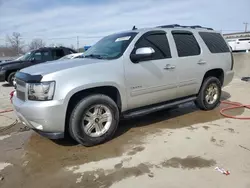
(154, 79)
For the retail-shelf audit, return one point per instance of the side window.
(46, 56)
(215, 42)
(38, 56)
(158, 42)
(186, 44)
(58, 53)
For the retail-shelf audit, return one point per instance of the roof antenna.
(134, 28)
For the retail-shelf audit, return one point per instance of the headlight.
(43, 91)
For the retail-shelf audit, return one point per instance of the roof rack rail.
(169, 26)
(184, 26)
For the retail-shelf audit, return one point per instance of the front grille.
(20, 89)
(20, 82)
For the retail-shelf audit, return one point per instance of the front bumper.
(45, 117)
(52, 136)
(2, 76)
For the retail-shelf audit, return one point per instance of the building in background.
(237, 35)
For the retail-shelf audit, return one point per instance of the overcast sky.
(60, 21)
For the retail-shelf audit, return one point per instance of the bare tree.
(36, 43)
(54, 45)
(72, 46)
(59, 44)
(15, 42)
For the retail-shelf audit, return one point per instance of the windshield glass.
(25, 57)
(110, 47)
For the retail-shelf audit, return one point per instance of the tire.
(77, 129)
(201, 101)
(10, 78)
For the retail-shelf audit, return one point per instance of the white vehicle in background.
(73, 56)
(239, 44)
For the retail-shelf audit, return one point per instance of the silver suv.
(123, 75)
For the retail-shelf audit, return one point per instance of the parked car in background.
(41, 55)
(72, 56)
(239, 44)
(124, 75)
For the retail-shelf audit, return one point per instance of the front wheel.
(209, 95)
(94, 120)
(11, 79)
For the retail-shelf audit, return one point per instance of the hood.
(58, 65)
(9, 62)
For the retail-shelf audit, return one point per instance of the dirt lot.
(170, 148)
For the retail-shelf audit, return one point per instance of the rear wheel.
(94, 120)
(209, 95)
(11, 79)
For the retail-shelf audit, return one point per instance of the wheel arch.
(218, 73)
(8, 72)
(77, 94)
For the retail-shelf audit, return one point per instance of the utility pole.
(245, 23)
(17, 42)
(77, 43)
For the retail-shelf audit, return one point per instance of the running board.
(154, 108)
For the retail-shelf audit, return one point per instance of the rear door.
(190, 64)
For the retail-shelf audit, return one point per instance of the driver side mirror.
(142, 54)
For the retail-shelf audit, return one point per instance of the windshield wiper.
(97, 56)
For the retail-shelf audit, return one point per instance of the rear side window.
(186, 44)
(46, 56)
(215, 42)
(58, 53)
(157, 41)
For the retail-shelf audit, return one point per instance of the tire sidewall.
(10, 78)
(206, 84)
(78, 113)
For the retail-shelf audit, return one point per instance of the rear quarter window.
(215, 42)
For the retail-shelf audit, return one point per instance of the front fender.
(73, 91)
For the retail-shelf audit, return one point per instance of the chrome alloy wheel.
(13, 79)
(212, 93)
(97, 120)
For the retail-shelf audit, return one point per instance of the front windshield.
(19, 58)
(110, 47)
(25, 57)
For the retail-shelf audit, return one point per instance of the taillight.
(11, 95)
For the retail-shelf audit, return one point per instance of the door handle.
(202, 62)
(168, 67)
